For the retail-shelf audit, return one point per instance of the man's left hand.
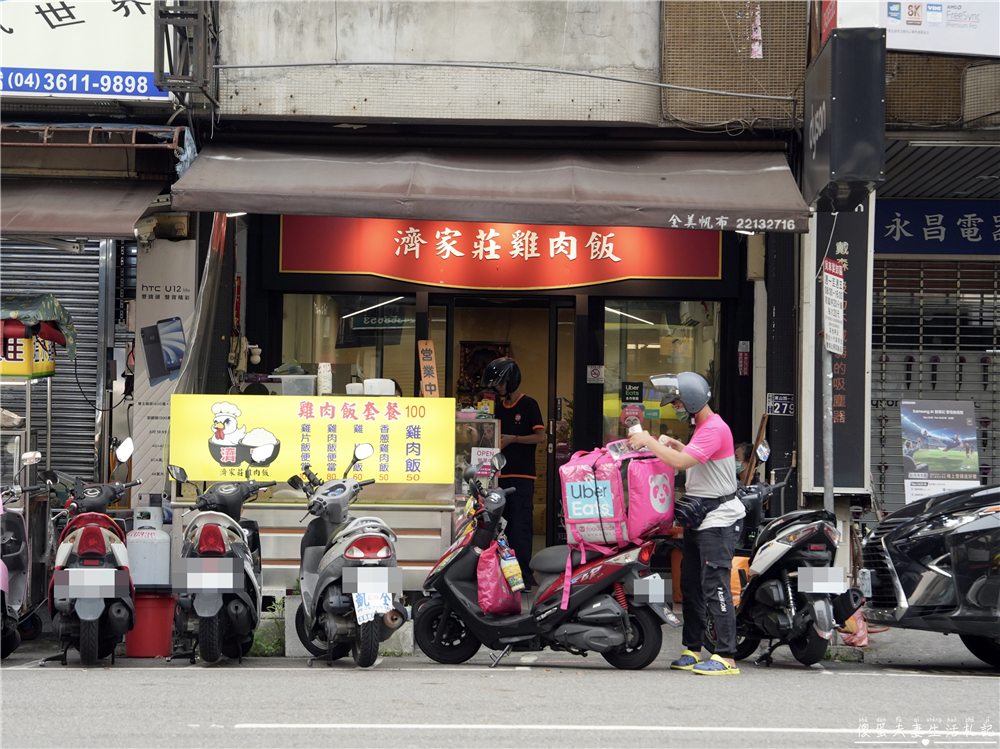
(640, 440)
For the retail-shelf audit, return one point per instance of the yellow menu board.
(216, 437)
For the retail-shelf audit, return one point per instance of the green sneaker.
(688, 660)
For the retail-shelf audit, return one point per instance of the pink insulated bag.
(615, 495)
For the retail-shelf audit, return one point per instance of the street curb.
(846, 653)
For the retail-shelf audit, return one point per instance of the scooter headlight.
(949, 522)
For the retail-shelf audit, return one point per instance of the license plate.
(90, 582)
(207, 575)
(865, 582)
(368, 605)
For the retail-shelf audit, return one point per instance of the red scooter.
(615, 604)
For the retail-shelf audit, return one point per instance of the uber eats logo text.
(589, 500)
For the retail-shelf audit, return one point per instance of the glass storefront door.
(643, 337)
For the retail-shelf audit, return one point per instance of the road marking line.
(560, 727)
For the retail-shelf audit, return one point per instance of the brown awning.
(700, 190)
(73, 207)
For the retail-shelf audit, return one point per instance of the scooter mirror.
(120, 473)
(177, 473)
(124, 451)
(363, 452)
(469, 473)
(49, 477)
(30, 458)
(499, 461)
(296, 483)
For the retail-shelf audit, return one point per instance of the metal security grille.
(74, 280)
(746, 47)
(935, 336)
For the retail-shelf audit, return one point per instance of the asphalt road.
(910, 680)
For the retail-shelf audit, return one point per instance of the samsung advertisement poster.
(940, 452)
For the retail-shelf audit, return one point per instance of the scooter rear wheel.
(31, 627)
(809, 648)
(648, 631)
(457, 644)
(366, 647)
(9, 643)
(89, 642)
(209, 638)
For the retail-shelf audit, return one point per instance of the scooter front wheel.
(456, 643)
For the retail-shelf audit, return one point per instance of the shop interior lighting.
(625, 314)
(380, 304)
(237, 213)
(748, 233)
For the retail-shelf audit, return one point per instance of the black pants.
(705, 583)
(519, 514)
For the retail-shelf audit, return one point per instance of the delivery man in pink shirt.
(710, 514)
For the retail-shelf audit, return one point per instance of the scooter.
(781, 600)
(219, 584)
(91, 593)
(350, 583)
(14, 561)
(612, 607)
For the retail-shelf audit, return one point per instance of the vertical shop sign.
(164, 311)
(743, 358)
(848, 248)
(940, 451)
(833, 306)
(428, 369)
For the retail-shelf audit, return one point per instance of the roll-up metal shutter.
(73, 279)
(935, 336)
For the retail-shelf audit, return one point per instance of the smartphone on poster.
(172, 342)
(153, 351)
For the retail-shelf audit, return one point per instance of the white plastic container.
(149, 549)
(355, 388)
(297, 384)
(376, 386)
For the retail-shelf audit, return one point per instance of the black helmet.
(689, 388)
(500, 370)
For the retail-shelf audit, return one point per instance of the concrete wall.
(611, 38)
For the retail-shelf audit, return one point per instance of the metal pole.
(827, 429)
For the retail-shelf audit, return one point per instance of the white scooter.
(349, 578)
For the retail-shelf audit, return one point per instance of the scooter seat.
(553, 559)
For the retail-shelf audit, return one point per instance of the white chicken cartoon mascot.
(234, 445)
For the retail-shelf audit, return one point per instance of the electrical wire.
(76, 374)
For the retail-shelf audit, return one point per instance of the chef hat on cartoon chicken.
(225, 425)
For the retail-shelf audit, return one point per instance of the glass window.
(643, 337)
(362, 335)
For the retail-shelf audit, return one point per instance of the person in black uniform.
(521, 428)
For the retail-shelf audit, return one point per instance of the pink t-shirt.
(715, 473)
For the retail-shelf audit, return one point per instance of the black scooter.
(606, 611)
(777, 602)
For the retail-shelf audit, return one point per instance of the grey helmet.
(689, 387)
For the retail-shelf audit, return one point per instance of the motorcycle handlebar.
(509, 490)
(266, 484)
(130, 484)
(36, 488)
(366, 482)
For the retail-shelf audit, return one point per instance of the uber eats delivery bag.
(615, 495)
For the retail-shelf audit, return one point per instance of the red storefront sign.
(462, 255)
